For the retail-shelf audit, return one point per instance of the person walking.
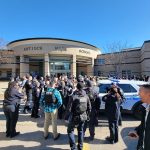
(11, 105)
(51, 100)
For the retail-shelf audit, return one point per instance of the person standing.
(29, 89)
(51, 100)
(143, 131)
(112, 111)
(95, 106)
(78, 107)
(36, 98)
(122, 100)
(11, 105)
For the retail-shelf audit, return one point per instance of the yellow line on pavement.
(86, 146)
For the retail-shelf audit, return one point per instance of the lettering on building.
(84, 51)
(60, 48)
(34, 48)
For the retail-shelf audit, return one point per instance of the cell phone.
(134, 135)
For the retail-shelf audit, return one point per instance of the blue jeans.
(71, 136)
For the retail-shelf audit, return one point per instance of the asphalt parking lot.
(32, 133)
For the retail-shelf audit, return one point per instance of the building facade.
(124, 64)
(45, 56)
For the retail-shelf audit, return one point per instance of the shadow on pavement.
(130, 143)
(96, 141)
(37, 139)
(21, 147)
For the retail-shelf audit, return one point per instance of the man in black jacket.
(112, 112)
(78, 118)
(143, 131)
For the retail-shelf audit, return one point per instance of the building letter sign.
(84, 51)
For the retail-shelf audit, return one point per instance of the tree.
(3, 44)
(5, 55)
(117, 56)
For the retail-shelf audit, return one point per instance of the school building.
(46, 56)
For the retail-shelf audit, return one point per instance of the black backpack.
(50, 98)
(90, 94)
(79, 104)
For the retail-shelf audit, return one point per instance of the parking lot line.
(86, 146)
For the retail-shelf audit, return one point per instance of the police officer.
(112, 111)
(95, 104)
(77, 120)
(28, 87)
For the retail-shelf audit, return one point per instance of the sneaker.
(109, 140)
(15, 134)
(57, 137)
(37, 116)
(46, 137)
(7, 134)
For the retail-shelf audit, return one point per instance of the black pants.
(35, 109)
(113, 128)
(91, 122)
(11, 118)
(120, 117)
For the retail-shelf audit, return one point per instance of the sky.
(97, 22)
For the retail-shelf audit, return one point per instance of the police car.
(130, 88)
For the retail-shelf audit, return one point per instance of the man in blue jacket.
(51, 105)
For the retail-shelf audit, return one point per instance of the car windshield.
(127, 88)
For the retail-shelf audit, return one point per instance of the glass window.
(101, 61)
(9, 74)
(103, 88)
(127, 88)
(126, 73)
(17, 59)
(62, 66)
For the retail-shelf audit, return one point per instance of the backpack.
(50, 98)
(90, 95)
(79, 104)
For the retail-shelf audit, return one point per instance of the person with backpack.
(51, 100)
(78, 107)
(95, 104)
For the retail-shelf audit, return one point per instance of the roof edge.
(44, 38)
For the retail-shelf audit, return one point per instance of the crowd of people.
(75, 100)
